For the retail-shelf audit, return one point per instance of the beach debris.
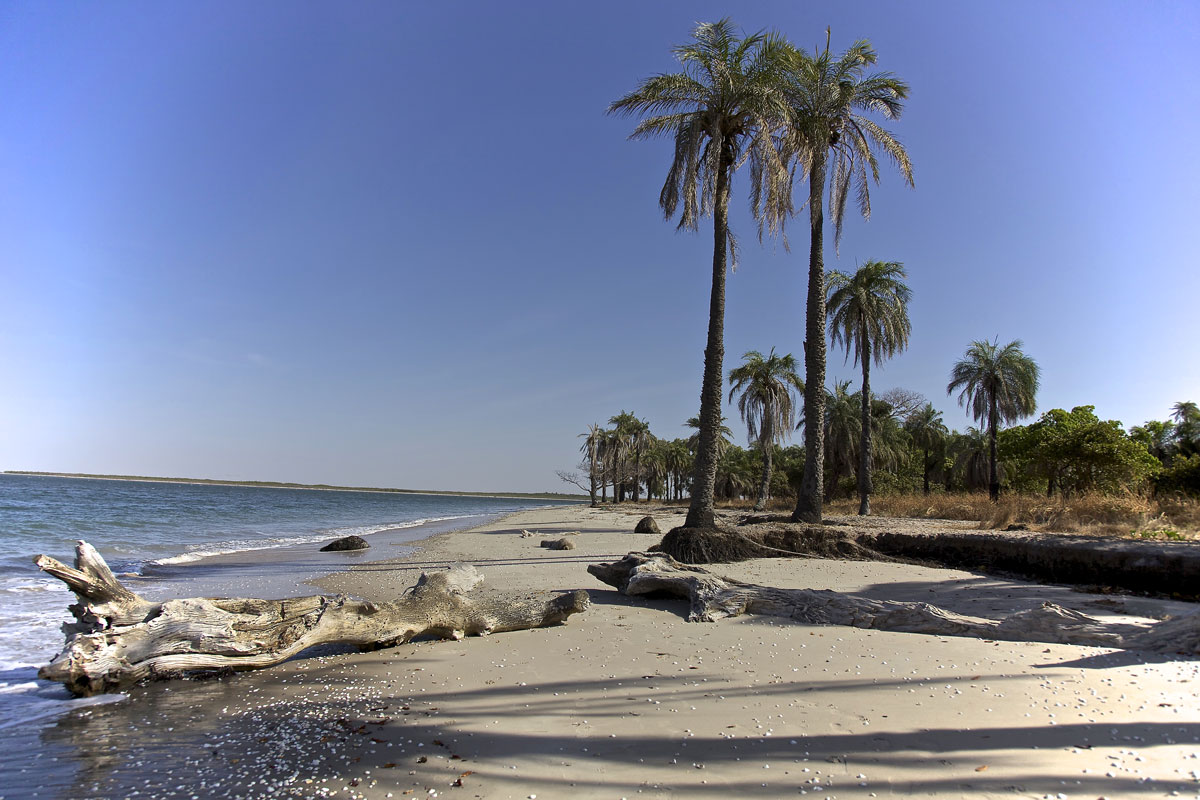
(559, 544)
(713, 598)
(120, 638)
(527, 534)
(346, 543)
(646, 525)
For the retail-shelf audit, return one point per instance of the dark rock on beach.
(346, 543)
(647, 525)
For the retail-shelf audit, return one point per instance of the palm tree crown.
(868, 311)
(868, 314)
(766, 406)
(998, 384)
(830, 136)
(720, 111)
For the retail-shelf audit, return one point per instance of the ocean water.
(169, 539)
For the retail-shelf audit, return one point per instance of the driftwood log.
(120, 638)
(713, 598)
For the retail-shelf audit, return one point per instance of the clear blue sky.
(401, 244)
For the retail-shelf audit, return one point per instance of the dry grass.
(1129, 515)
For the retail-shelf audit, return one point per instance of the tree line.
(1063, 453)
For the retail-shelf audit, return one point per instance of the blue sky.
(401, 244)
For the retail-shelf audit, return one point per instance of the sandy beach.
(630, 700)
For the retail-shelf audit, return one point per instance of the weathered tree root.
(713, 598)
(120, 638)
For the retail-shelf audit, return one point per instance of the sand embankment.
(629, 699)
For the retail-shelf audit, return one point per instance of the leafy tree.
(1000, 385)
(929, 433)
(1182, 477)
(868, 314)
(831, 138)
(720, 111)
(766, 386)
(1159, 439)
(1079, 452)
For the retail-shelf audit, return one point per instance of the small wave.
(243, 545)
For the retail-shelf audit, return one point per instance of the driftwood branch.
(713, 598)
(120, 638)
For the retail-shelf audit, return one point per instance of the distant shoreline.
(321, 487)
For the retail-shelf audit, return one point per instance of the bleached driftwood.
(713, 598)
(120, 638)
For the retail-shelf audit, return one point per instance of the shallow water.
(173, 540)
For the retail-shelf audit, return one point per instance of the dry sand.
(630, 700)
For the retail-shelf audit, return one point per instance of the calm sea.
(185, 540)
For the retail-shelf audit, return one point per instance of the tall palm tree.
(1000, 384)
(831, 138)
(766, 406)
(969, 454)
(928, 433)
(868, 314)
(720, 111)
(592, 443)
(842, 432)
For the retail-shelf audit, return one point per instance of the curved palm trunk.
(764, 441)
(864, 451)
(993, 472)
(808, 504)
(700, 511)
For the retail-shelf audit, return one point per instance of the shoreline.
(314, 487)
(629, 699)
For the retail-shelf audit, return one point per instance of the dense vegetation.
(1063, 454)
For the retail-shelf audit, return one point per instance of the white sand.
(630, 700)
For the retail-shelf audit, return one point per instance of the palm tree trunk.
(765, 442)
(993, 471)
(592, 477)
(864, 451)
(925, 467)
(700, 510)
(808, 503)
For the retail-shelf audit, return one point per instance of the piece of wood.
(713, 598)
(120, 638)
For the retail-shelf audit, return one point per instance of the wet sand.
(628, 699)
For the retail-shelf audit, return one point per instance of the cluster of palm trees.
(797, 118)
(789, 114)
